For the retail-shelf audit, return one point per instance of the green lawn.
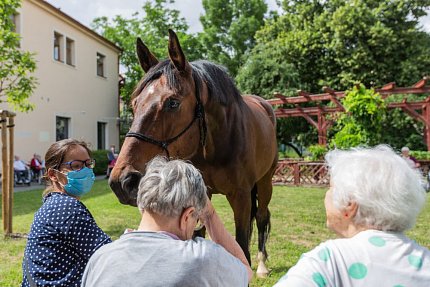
(298, 224)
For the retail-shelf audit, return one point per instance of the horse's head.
(168, 118)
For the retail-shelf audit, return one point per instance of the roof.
(57, 12)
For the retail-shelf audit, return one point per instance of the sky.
(85, 11)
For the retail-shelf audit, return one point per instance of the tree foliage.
(339, 43)
(272, 77)
(16, 82)
(152, 26)
(229, 27)
(399, 129)
(343, 42)
(362, 121)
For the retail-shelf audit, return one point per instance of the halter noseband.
(198, 114)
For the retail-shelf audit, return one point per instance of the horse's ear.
(175, 52)
(146, 59)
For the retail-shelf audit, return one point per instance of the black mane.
(220, 85)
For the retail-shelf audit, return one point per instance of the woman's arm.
(220, 235)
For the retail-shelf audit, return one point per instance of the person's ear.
(52, 175)
(350, 210)
(185, 218)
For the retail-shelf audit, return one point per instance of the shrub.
(418, 154)
(317, 152)
(101, 161)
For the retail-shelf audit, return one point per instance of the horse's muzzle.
(126, 187)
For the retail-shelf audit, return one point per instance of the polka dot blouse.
(371, 258)
(62, 238)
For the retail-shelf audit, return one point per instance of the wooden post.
(5, 177)
(7, 154)
(426, 115)
(10, 126)
(296, 169)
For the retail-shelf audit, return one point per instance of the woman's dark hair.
(55, 155)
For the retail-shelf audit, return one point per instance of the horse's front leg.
(240, 202)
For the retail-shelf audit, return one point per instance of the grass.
(298, 224)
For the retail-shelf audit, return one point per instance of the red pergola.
(316, 115)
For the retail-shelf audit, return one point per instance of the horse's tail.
(253, 209)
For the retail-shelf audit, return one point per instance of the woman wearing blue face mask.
(64, 234)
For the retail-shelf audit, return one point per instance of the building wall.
(75, 92)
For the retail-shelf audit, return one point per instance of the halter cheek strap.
(199, 114)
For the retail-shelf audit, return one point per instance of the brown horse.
(194, 111)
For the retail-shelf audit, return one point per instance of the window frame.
(100, 65)
(101, 135)
(70, 52)
(58, 46)
(66, 127)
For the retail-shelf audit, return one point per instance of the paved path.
(35, 185)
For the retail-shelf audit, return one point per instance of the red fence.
(291, 172)
(314, 173)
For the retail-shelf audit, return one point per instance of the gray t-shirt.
(156, 259)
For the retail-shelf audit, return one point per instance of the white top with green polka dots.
(370, 258)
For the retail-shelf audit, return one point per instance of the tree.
(152, 26)
(16, 66)
(272, 77)
(362, 121)
(343, 42)
(229, 27)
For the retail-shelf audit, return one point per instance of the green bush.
(419, 154)
(317, 152)
(101, 161)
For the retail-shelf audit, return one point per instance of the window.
(100, 65)
(62, 128)
(16, 21)
(70, 52)
(101, 135)
(16, 25)
(58, 47)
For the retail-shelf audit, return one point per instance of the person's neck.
(155, 223)
(353, 230)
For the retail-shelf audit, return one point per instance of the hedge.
(101, 161)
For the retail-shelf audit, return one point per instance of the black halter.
(199, 113)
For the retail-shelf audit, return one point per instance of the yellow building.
(77, 71)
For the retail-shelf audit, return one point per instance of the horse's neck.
(223, 124)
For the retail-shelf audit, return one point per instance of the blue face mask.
(79, 182)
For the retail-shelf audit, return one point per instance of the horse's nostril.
(129, 186)
(130, 183)
(125, 188)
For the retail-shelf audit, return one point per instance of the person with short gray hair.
(412, 161)
(161, 252)
(374, 197)
(168, 187)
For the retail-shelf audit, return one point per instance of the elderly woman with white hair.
(374, 197)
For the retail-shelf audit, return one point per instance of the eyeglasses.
(77, 165)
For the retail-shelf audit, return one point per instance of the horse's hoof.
(262, 274)
(262, 271)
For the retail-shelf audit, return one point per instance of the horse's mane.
(220, 85)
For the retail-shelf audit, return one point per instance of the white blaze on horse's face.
(150, 90)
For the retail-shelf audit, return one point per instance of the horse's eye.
(172, 104)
